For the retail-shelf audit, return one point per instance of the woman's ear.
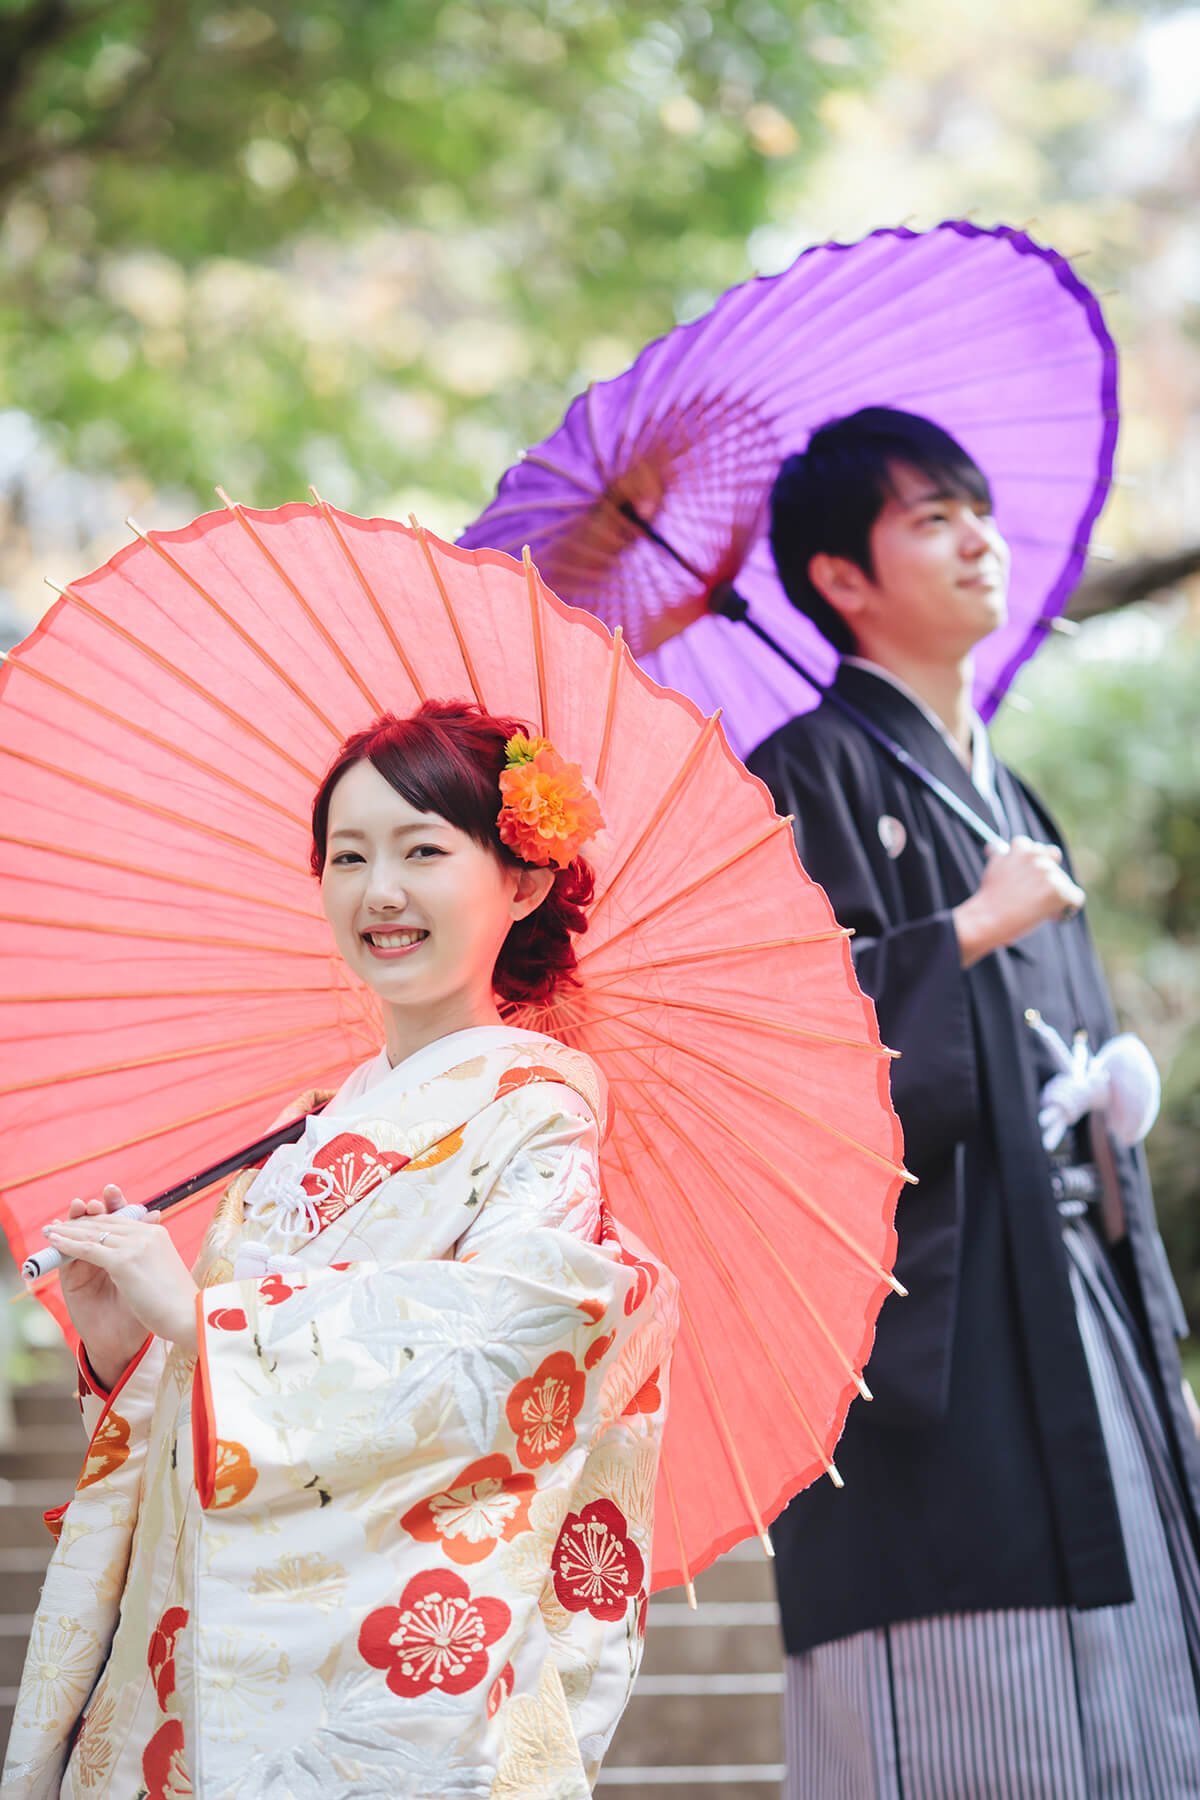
(533, 885)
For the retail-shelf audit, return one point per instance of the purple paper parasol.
(986, 332)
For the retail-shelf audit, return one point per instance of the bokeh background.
(378, 246)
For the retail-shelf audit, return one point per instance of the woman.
(369, 1512)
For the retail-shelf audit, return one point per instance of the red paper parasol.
(167, 979)
(652, 494)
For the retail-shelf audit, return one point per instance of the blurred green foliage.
(1111, 743)
(377, 243)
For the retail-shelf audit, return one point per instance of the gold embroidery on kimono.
(390, 1531)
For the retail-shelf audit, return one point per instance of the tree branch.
(1107, 589)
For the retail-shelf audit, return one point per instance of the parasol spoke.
(147, 1137)
(326, 515)
(708, 1381)
(141, 933)
(663, 805)
(845, 1361)
(722, 1068)
(723, 952)
(77, 779)
(444, 596)
(169, 668)
(753, 1019)
(167, 993)
(542, 462)
(297, 689)
(615, 666)
(809, 1204)
(73, 854)
(593, 437)
(684, 1561)
(160, 743)
(331, 642)
(718, 1263)
(539, 651)
(685, 893)
(161, 1058)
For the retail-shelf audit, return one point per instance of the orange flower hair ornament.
(549, 811)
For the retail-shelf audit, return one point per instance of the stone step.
(45, 1450)
(14, 1635)
(718, 1638)
(22, 1526)
(712, 1781)
(49, 1404)
(697, 1729)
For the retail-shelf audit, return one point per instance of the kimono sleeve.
(911, 967)
(420, 1370)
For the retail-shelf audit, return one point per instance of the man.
(1004, 1603)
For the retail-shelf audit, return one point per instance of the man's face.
(940, 569)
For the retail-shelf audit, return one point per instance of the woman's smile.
(387, 943)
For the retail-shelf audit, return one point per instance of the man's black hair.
(827, 498)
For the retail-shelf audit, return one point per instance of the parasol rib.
(722, 952)
(765, 1093)
(147, 1137)
(141, 933)
(590, 422)
(327, 518)
(147, 806)
(542, 462)
(177, 674)
(680, 894)
(200, 993)
(664, 804)
(331, 643)
(730, 1287)
(128, 868)
(810, 1206)
(722, 1423)
(451, 615)
(295, 688)
(168, 1056)
(539, 649)
(755, 1020)
(160, 743)
(610, 707)
(685, 1568)
(739, 1205)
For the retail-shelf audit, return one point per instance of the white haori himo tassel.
(279, 1197)
(1120, 1082)
(256, 1261)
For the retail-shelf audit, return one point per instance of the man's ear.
(840, 582)
(533, 885)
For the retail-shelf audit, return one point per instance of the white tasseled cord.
(1121, 1082)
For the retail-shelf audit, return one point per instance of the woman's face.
(418, 909)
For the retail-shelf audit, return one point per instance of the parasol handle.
(42, 1262)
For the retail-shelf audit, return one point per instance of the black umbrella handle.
(44, 1262)
(229, 1165)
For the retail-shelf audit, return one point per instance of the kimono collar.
(973, 785)
(430, 1061)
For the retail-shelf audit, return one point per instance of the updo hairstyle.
(446, 759)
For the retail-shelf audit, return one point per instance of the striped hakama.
(1031, 1705)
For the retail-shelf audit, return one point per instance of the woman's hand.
(124, 1279)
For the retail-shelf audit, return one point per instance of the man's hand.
(1021, 889)
(124, 1279)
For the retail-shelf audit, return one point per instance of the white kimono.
(389, 1534)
